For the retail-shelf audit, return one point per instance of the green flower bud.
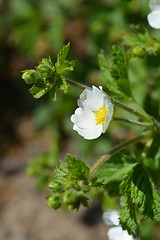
(30, 76)
(55, 186)
(156, 47)
(54, 201)
(70, 196)
(139, 51)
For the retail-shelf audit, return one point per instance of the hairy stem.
(146, 149)
(75, 84)
(140, 108)
(143, 124)
(131, 110)
(118, 148)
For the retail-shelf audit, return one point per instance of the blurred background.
(35, 134)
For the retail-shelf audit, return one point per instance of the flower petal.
(117, 233)
(89, 133)
(154, 4)
(91, 98)
(83, 118)
(154, 19)
(109, 105)
(111, 217)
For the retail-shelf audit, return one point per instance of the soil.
(23, 214)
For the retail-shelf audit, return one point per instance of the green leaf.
(77, 168)
(38, 92)
(112, 88)
(140, 191)
(75, 197)
(65, 66)
(115, 74)
(63, 84)
(128, 223)
(119, 69)
(45, 68)
(113, 172)
(66, 183)
(63, 53)
(115, 168)
(49, 77)
(142, 43)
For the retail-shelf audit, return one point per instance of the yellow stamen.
(101, 115)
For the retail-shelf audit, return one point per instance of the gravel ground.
(23, 215)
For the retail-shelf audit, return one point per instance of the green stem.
(146, 149)
(75, 84)
(157, 124)
(143, 124)
(131, 110)
(140, 108)
(118, 148)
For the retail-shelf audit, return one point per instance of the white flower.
(111, 217)
(154, 16)
(93, 114)
(117, 233)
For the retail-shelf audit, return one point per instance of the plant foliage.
(69, 184)
(48, 77)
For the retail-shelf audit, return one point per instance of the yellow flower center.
(101, 115)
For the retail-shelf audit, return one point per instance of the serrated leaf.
(115, 168)
(65, 66)
(119, 69)
(135, 39)
(128, 223)
(112, 88)
(61, 171)
(140, 190)
(45, 67)
(77, 168)
(63, 53)
(38, 92)
(113, 172)
(48, 77)
(66, 182)
(142, 43)
(64, 85)
(112, 79)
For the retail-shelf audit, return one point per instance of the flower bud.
(30, 76)
(138, 51)
(55, 186)
(70, 196)
(54, 201)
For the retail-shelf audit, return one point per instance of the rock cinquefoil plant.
(131, 175)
